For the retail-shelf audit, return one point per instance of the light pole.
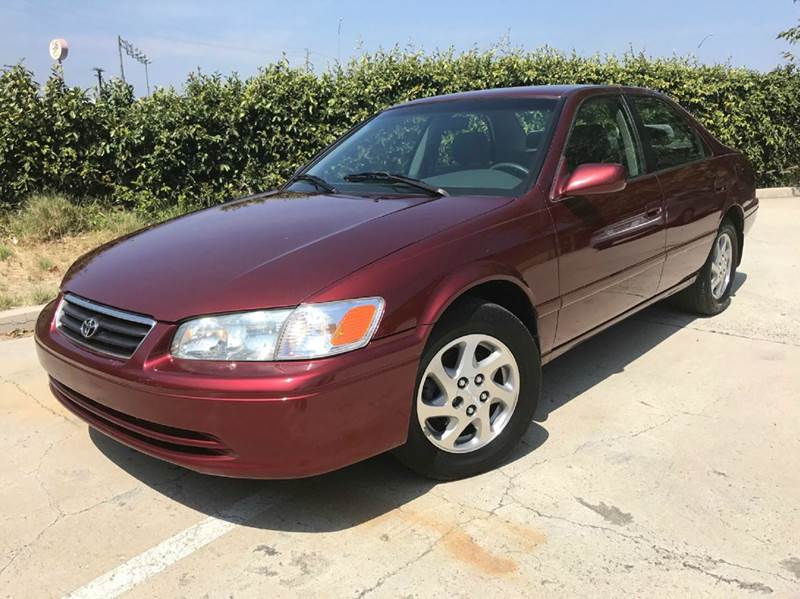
(121, 67)
(146, 62)
(137, 55)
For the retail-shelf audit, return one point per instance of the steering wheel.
(512, 168)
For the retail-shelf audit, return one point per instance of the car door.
(611, 245)
(693, 184)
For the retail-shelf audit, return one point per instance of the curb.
(19, 320)
(778, 192)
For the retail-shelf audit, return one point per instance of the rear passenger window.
(673, 140)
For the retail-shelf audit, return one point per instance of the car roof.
(530, 91)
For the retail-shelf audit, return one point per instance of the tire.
(709, 295)
(492, 410)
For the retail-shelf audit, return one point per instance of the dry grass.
(33, 271)
(39, 242)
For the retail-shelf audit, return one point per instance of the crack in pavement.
(671, 554)
(484, 515)
(745, 586)
(687, 559)
(389, 575)
(56, 509)
(666, 552)
(16, 552)
(37, 401)
(607, 440)
(714, 331)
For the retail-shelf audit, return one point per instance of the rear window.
(669, 134)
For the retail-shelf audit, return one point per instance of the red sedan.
(402, 291)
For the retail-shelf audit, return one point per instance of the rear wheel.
(477, 388)
(711, 292)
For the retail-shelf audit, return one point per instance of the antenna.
(339, 41)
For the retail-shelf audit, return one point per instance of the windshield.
(470, 147)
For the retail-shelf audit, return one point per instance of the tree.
(791, 35)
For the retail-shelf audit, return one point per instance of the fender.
(472, 275)
(458, 284)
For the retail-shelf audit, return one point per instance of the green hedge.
(223, 136)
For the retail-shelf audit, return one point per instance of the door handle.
(720, 185)
(653, 212)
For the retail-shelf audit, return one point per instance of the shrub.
(47, 218)
(44, 263)
(119, 222)
(8, 300)
(43, 294)
(224, 136)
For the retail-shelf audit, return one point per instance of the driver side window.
(602, 133)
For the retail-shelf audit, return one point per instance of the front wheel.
(477, 388)
(711, 292)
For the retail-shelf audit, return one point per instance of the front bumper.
(242, 419)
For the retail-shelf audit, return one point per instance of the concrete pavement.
(664, 461)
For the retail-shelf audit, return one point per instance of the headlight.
(308, 331)
(242, 336)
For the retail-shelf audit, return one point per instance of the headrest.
(658, 135)
(472, 150)
(587, 144)
(533, 140)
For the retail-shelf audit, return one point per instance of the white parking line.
(158, 558)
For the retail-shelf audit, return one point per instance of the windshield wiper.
(392, 178)
(318, 181)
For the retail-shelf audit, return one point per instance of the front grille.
(127, 427)
(100, 328)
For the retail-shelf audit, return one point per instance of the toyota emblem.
(89, 327)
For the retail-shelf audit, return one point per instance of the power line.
(249, 49)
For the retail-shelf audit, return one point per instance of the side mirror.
(589, 179)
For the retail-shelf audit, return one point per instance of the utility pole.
(99, 73)
(121, 68)
(308, 61)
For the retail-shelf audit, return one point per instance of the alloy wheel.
(721, 265)
(468, 393)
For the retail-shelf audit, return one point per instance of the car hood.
(271, 250)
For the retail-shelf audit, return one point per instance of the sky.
(180, 36)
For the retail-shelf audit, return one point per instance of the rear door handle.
(720, 185)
